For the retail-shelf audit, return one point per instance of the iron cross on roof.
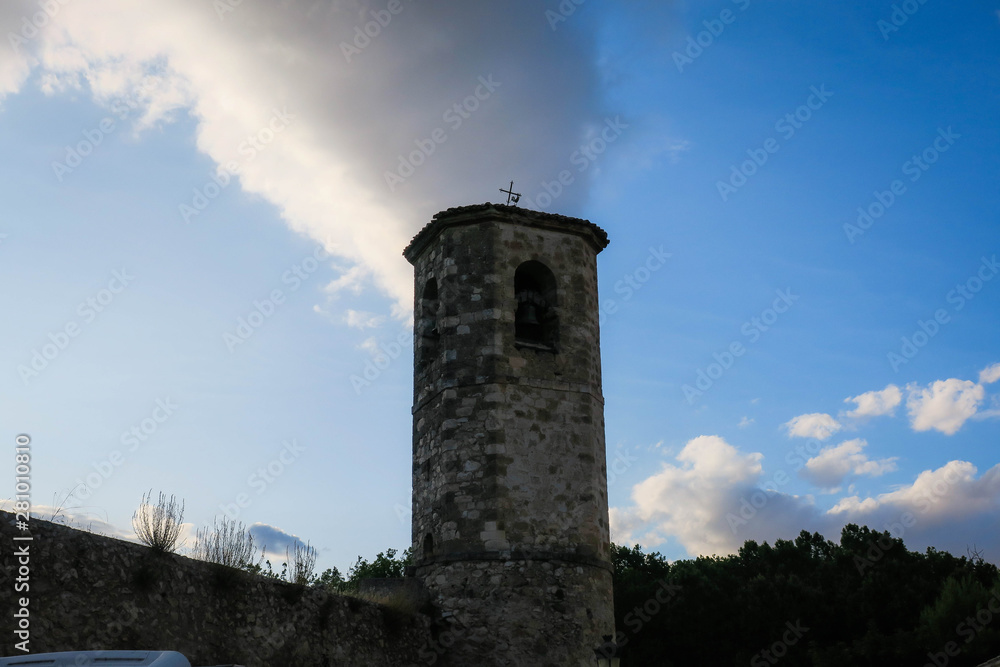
(511, 194)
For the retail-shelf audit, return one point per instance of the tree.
(867, 601)
(385, 565)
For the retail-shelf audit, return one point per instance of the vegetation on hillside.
(386, 564)
(866, 601)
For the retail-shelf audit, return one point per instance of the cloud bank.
(714, 499)
(430, 93)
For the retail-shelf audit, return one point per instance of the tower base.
(540, 612)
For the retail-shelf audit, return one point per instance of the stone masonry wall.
(521, 612)
(509, 450)
(89, 592)
(510, 514)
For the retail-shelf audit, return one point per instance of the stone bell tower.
(510, 504)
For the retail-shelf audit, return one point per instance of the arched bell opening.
(536, 320)
(428, 335)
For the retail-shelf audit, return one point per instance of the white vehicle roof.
(97, 658)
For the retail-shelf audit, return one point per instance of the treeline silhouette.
(866, 601)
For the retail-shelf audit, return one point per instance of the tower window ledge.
(534, 345)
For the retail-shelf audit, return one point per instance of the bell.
(526, 324)
(527, 315)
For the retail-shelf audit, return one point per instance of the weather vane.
(516, 196)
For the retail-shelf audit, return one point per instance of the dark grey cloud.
(403, 85)
(273, 540)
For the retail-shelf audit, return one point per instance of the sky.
(206, 203)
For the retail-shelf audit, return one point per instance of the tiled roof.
(516, 213)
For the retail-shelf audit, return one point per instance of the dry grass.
(158, 526)
(229, 543)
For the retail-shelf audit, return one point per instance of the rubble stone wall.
(91, 592)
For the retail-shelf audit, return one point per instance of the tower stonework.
(510, 508)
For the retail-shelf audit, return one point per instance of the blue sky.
(221, 271)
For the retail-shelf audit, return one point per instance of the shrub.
(158, 526)
(301, 562)
(228, 543)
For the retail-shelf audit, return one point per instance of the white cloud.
(817, 425)
(990, 374)
(829, 468)
(351, 279)
(360, 319)
(992, 412)
(691, 501)
(942, 497)
(349, 121)
(876, 403)
(370, 345)
(945, 405)
(746, 421)
(712, 502)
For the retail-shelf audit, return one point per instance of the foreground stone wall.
(97, 593)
